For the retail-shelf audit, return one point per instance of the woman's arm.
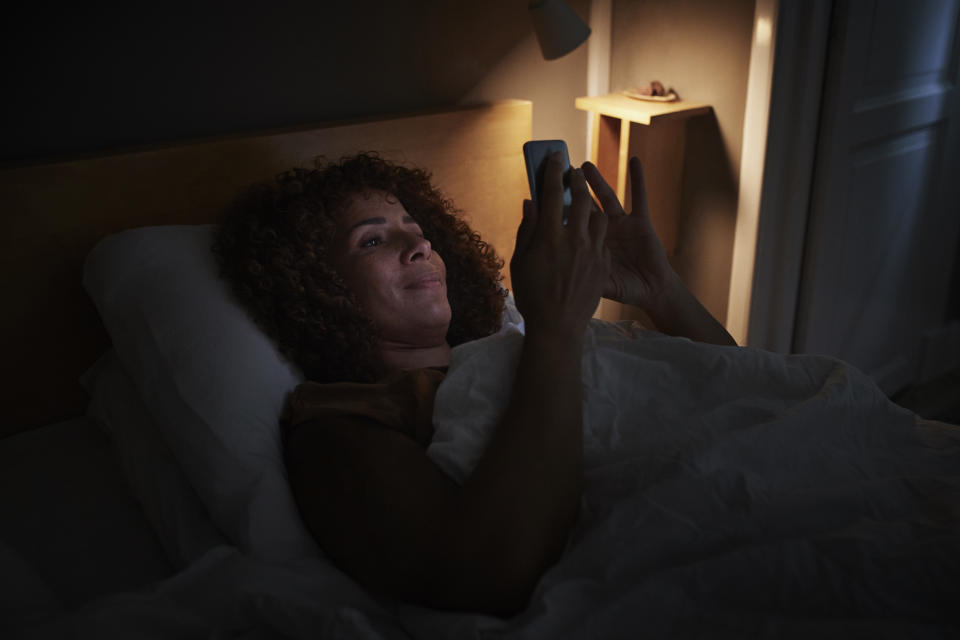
(641, 275)
(677, 312)
(389, 517)
(393, 520)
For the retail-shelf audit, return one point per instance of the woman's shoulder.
(401, 401)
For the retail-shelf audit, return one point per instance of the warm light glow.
(764, 31)
(598, 56)
(756, 115)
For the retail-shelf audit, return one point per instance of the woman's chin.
(434, 310)
(441, 320)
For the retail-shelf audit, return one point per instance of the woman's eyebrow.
(380, 220)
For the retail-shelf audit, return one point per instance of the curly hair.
(273, 247)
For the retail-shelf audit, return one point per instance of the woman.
(366, 280)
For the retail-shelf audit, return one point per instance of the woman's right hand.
(558, 270)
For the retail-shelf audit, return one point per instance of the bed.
(728, 492)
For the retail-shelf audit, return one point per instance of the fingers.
(638, 187)
(581, 203)
(598, 228)
(550, 215)
(585, 218)
(559, 271)
(606, 195)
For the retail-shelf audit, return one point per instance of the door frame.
(770, 239)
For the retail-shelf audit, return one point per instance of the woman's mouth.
(426, 282)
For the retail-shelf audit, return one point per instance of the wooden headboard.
(55, 212)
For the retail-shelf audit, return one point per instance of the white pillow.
(213, 382)
(165, 495)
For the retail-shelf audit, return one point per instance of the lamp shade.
(559, 29)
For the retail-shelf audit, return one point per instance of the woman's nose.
(417, 248)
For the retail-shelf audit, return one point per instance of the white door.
(884, 226)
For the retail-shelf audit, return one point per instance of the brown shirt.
(402, 402)
(345, 445)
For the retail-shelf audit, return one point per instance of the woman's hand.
(558, 270)
(640, 273)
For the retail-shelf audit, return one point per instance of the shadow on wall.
(552, 85)
(88, 79)
(708, 213)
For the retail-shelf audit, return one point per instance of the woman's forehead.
(370, 204)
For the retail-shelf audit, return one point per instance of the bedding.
(728, 493)
(212, 381)
(150, 468)
(731, 490)
(70, 530)
(727, 490)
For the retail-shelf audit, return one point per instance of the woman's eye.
(371, 242)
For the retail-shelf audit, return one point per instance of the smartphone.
(536, 152)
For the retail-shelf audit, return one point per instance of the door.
(883, 230)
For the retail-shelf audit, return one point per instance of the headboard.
(55, 212)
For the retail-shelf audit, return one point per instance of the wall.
(82, 78)
(701, 48)
(85, 78)
(552, 85)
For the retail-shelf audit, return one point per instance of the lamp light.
(559, 29)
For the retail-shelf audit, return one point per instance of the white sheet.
(732, 487)
(168, 500)
(728, 493)
(68, 523)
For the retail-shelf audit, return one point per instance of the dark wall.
(85, 78)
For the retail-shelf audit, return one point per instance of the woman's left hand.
(640, 273)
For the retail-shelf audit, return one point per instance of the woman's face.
(381, 254)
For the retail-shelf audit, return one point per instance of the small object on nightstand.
(653, 92)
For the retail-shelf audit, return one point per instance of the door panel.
(908, 44)
(884, 223)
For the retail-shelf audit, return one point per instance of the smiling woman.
(366, 277)
(296, 250)
(383, 257)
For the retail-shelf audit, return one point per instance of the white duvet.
(730, 489)
(729, 492)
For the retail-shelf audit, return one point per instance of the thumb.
(613, 287)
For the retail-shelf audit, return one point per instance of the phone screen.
(536, 153)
